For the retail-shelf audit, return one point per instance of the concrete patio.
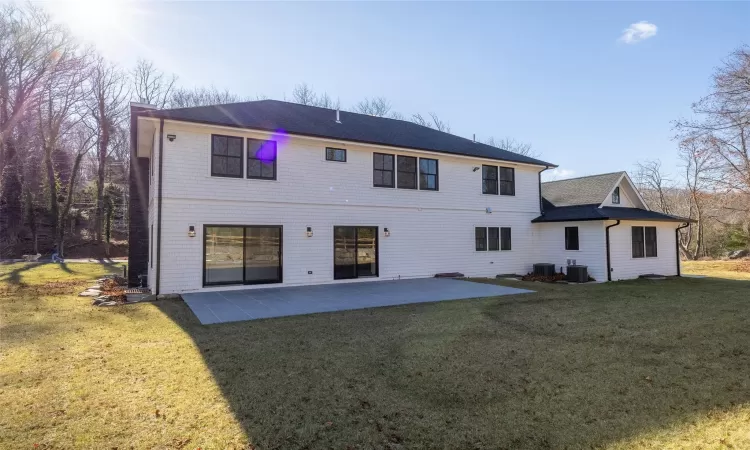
(250, 304)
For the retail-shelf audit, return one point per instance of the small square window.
(335, 154)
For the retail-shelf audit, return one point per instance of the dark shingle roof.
(274, 115)
(593, 212)
(580, 191)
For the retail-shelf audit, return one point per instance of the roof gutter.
(609, 258)
(158, 208)
(677, 245)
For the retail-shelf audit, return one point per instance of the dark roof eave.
(542, 219)
(156, 115)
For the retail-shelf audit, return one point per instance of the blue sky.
(553, 74)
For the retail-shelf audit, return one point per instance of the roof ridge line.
(586, 176)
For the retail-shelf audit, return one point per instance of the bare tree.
(698, 166)
(512, 145)
(186, 98)
(377, 106)
(433, 122)
(304, 95)
(654, 185)
(106, 107)
(62, 95)
(723, 123)
(81, 140)
(150, 85)
(28, 50)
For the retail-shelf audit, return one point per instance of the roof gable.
(581, 191)
(629, 191)
(292, 118)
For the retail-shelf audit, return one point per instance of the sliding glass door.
(355, 252)
(242, 254)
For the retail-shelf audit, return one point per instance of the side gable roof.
(274, 115)
(580, 191)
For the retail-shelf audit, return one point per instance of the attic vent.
(338, 117)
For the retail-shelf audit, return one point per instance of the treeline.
(64, 142)
(712, 186)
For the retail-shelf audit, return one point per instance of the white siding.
(624, 266)
(431, 232)
(549, 240)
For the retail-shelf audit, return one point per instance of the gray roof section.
(292, 118)
(580, 191)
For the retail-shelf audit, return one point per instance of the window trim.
(241, 157)
(416, 172)
(275, 160)
(335, 160)
(616, 191)
(496, 179)
(476, 239)
(567, 239)
(500, 180)
(392, 170)
(510, 239)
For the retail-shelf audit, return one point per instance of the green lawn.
(642, 364)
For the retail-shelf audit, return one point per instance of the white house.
(246, 194)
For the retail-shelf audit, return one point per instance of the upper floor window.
(261, 159)
(616, 196)
(507, 181)
(382, 170)
(335, 154)
(571, 238)
(428, 174)
(407, 172)
(489, 180)
(644, 242)
(226, 156)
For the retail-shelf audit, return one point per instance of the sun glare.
(95, 19)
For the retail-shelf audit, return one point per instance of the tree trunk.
(68, 202)
(52, 184)
(103, 144)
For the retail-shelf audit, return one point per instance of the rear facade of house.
(271, 193)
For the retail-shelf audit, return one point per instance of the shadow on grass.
(570, 366)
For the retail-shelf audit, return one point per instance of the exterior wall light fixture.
(386, 232)
(309, 232)
(191, 231)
